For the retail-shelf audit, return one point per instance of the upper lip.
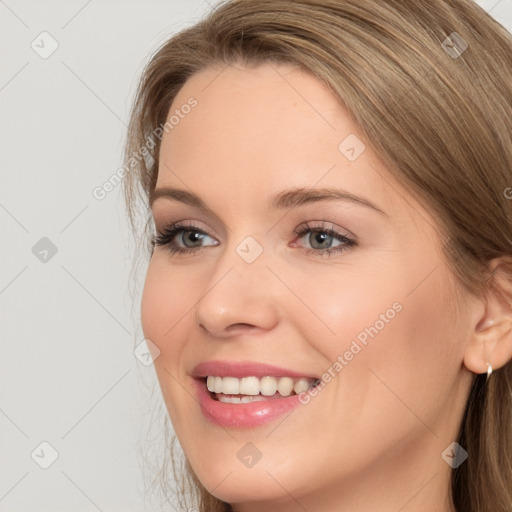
(241, 369)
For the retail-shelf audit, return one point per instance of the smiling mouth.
(255, 389)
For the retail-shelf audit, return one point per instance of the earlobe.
(491, 337)
(492, 344)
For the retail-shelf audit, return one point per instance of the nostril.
(240, 326)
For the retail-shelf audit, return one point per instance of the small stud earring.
(489, 371)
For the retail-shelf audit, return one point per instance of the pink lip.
(247, 415)
(241, 369)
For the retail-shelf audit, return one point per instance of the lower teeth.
(244, 399)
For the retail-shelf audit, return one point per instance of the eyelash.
(167, 235)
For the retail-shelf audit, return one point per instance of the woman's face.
(353, 291)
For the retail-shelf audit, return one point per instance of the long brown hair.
(430, 85)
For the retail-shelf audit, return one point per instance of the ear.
(491, 335)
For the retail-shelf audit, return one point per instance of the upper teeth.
(267, 386)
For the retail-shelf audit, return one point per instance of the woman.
(330, 285)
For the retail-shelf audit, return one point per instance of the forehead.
(254, 108)
(260, 129)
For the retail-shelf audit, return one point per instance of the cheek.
(343, 307)
(165, 308)
(409, 362)
(381, 337)
(400, 311)
(164, 305)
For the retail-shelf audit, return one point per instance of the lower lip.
(252, 414)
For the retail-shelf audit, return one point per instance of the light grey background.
(68, 373)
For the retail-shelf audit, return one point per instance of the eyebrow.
(285, 199)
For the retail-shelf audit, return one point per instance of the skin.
(372, 438)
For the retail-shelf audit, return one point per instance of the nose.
(239, 298)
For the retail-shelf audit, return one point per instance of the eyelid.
(164, 216)
(193, 224)
(326, 225)
(196, 224)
